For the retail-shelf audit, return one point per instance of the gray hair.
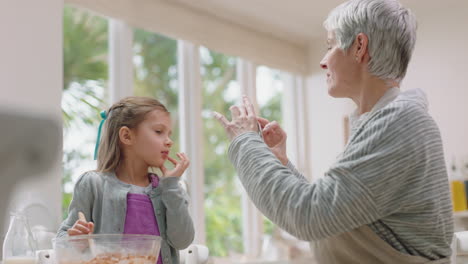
(390, 28)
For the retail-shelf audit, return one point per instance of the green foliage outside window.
(84, 81)
(155, 75)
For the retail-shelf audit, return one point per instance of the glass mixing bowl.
(107, 249)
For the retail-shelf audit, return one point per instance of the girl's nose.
(169, 142)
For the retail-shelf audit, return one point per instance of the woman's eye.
(158, 131)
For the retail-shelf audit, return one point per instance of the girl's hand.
(180, 166)
(81, 228)
(275, 138)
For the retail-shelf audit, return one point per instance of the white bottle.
(19, 246)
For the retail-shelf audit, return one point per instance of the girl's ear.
(125, 135)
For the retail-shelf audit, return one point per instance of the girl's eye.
(158, 131)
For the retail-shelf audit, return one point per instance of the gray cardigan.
(103, 200)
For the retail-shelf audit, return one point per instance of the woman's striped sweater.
(391, 176)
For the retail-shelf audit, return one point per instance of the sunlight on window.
(269, 93)
(155, 74)
(222, 190)
(84, 89)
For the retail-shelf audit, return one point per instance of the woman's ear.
(125, 135)
(361, 43)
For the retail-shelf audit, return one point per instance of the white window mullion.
(294, 109)
(252, 219)
(247, 79)
(191, 129)
(303, 131)
(120, 60)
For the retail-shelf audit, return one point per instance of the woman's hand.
(275, 138)
(81, 228)
(180, 166)
(243, 119)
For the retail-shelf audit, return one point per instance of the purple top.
(140, 218)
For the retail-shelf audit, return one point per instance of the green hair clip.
(104, 117)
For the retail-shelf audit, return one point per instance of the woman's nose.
(323, 65)
(323, 62)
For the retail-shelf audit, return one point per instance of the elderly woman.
(386, 198)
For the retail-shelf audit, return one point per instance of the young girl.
(121, 196)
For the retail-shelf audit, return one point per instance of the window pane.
(84, 91)
(269, 93)
(222, 188)
(155, 74)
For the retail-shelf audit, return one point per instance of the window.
(222, 189)
(155, 73)
(269, 93)
(84, 89)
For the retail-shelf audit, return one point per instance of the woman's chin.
(332, 92)
(335, 93)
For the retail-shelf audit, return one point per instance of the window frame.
(191, 128)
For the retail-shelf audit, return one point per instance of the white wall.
(325, 117)
(439, 66)
(31, 80)
(325, 122)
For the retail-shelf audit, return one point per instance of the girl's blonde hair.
(129, 112)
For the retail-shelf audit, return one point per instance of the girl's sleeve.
(81, 202)
(180, 231)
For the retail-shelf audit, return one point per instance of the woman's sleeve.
(358, 189)
(294, 170)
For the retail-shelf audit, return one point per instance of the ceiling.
(298, 21)
(286, 35)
